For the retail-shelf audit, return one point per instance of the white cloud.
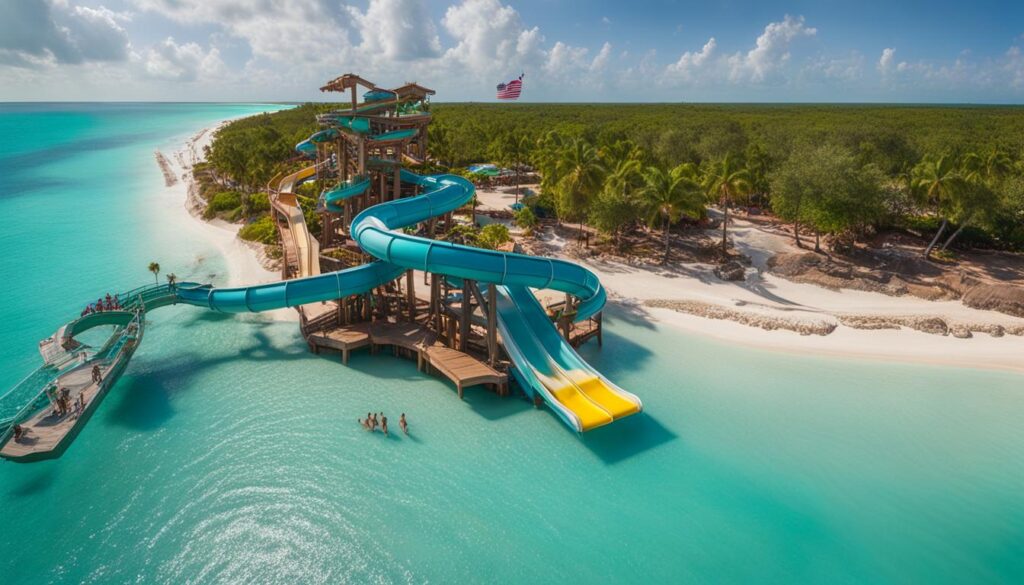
(1014, 67)
(186, 62)
(771, 52)
(398, 30)
(601, 59)
(298, 32)
(692, 63)
(562, 58)
(491, 38)
(847, 69)
(887, 61)
(52, 32)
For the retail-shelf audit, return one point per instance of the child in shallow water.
(402, 424)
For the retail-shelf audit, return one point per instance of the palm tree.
(511, 150)
(546, 155)
(582, 174)
(990, 167)
(938, 181)
(624, 175)
(154, 267)
(726, 181)
(669, 195)
(759, 166)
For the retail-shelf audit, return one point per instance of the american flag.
(511, 90)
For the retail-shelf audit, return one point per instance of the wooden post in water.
(492, 325)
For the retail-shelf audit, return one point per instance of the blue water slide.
(377, 95)
(308, 146)
(544, 363)
(356, 124)
(344, 190)
(374, 231)
(394, 135)
(289, 293)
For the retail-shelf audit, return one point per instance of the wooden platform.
(343, 339)
(47, 431)
(463, 369)
(459, 367)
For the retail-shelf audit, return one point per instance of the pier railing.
(50, 378)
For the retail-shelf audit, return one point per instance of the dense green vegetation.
(955, 174)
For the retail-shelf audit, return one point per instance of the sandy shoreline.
(763, 311)
(767, 312)
(241, 258)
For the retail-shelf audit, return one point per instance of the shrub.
(222, 201)
(526, 219)
(259, 203)
(262, 230)
(493, 235)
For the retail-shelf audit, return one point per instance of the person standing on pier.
(96, 376)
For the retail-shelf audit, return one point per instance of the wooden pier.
(417, 341)
(48, 435)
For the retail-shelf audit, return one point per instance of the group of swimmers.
(110, 303)
(371, 422)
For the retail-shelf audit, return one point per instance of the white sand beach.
(772, 313)
(241, 259)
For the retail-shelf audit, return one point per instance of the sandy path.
(762, 297)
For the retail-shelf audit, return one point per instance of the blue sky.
(571, 50)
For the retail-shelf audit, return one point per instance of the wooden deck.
(463, 369)
(343, 339)
(47, 432)
(459, 367)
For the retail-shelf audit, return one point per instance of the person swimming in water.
(403, 424)
(384, 424)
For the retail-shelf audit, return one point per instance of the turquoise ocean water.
(228, 453)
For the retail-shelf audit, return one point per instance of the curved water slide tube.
(544, 364)
(344, 190)
(308, 146)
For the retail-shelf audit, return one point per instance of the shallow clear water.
(229, 453)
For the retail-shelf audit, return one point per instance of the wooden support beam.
(492, 325)
(600, 328)
(566, 320)
(452, 342)
(410, 292)
(467, 313)
(397, 179)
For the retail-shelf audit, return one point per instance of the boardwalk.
(459, 367)
(343, 339)
(46, 431)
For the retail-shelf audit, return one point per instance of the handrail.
(33, 405)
